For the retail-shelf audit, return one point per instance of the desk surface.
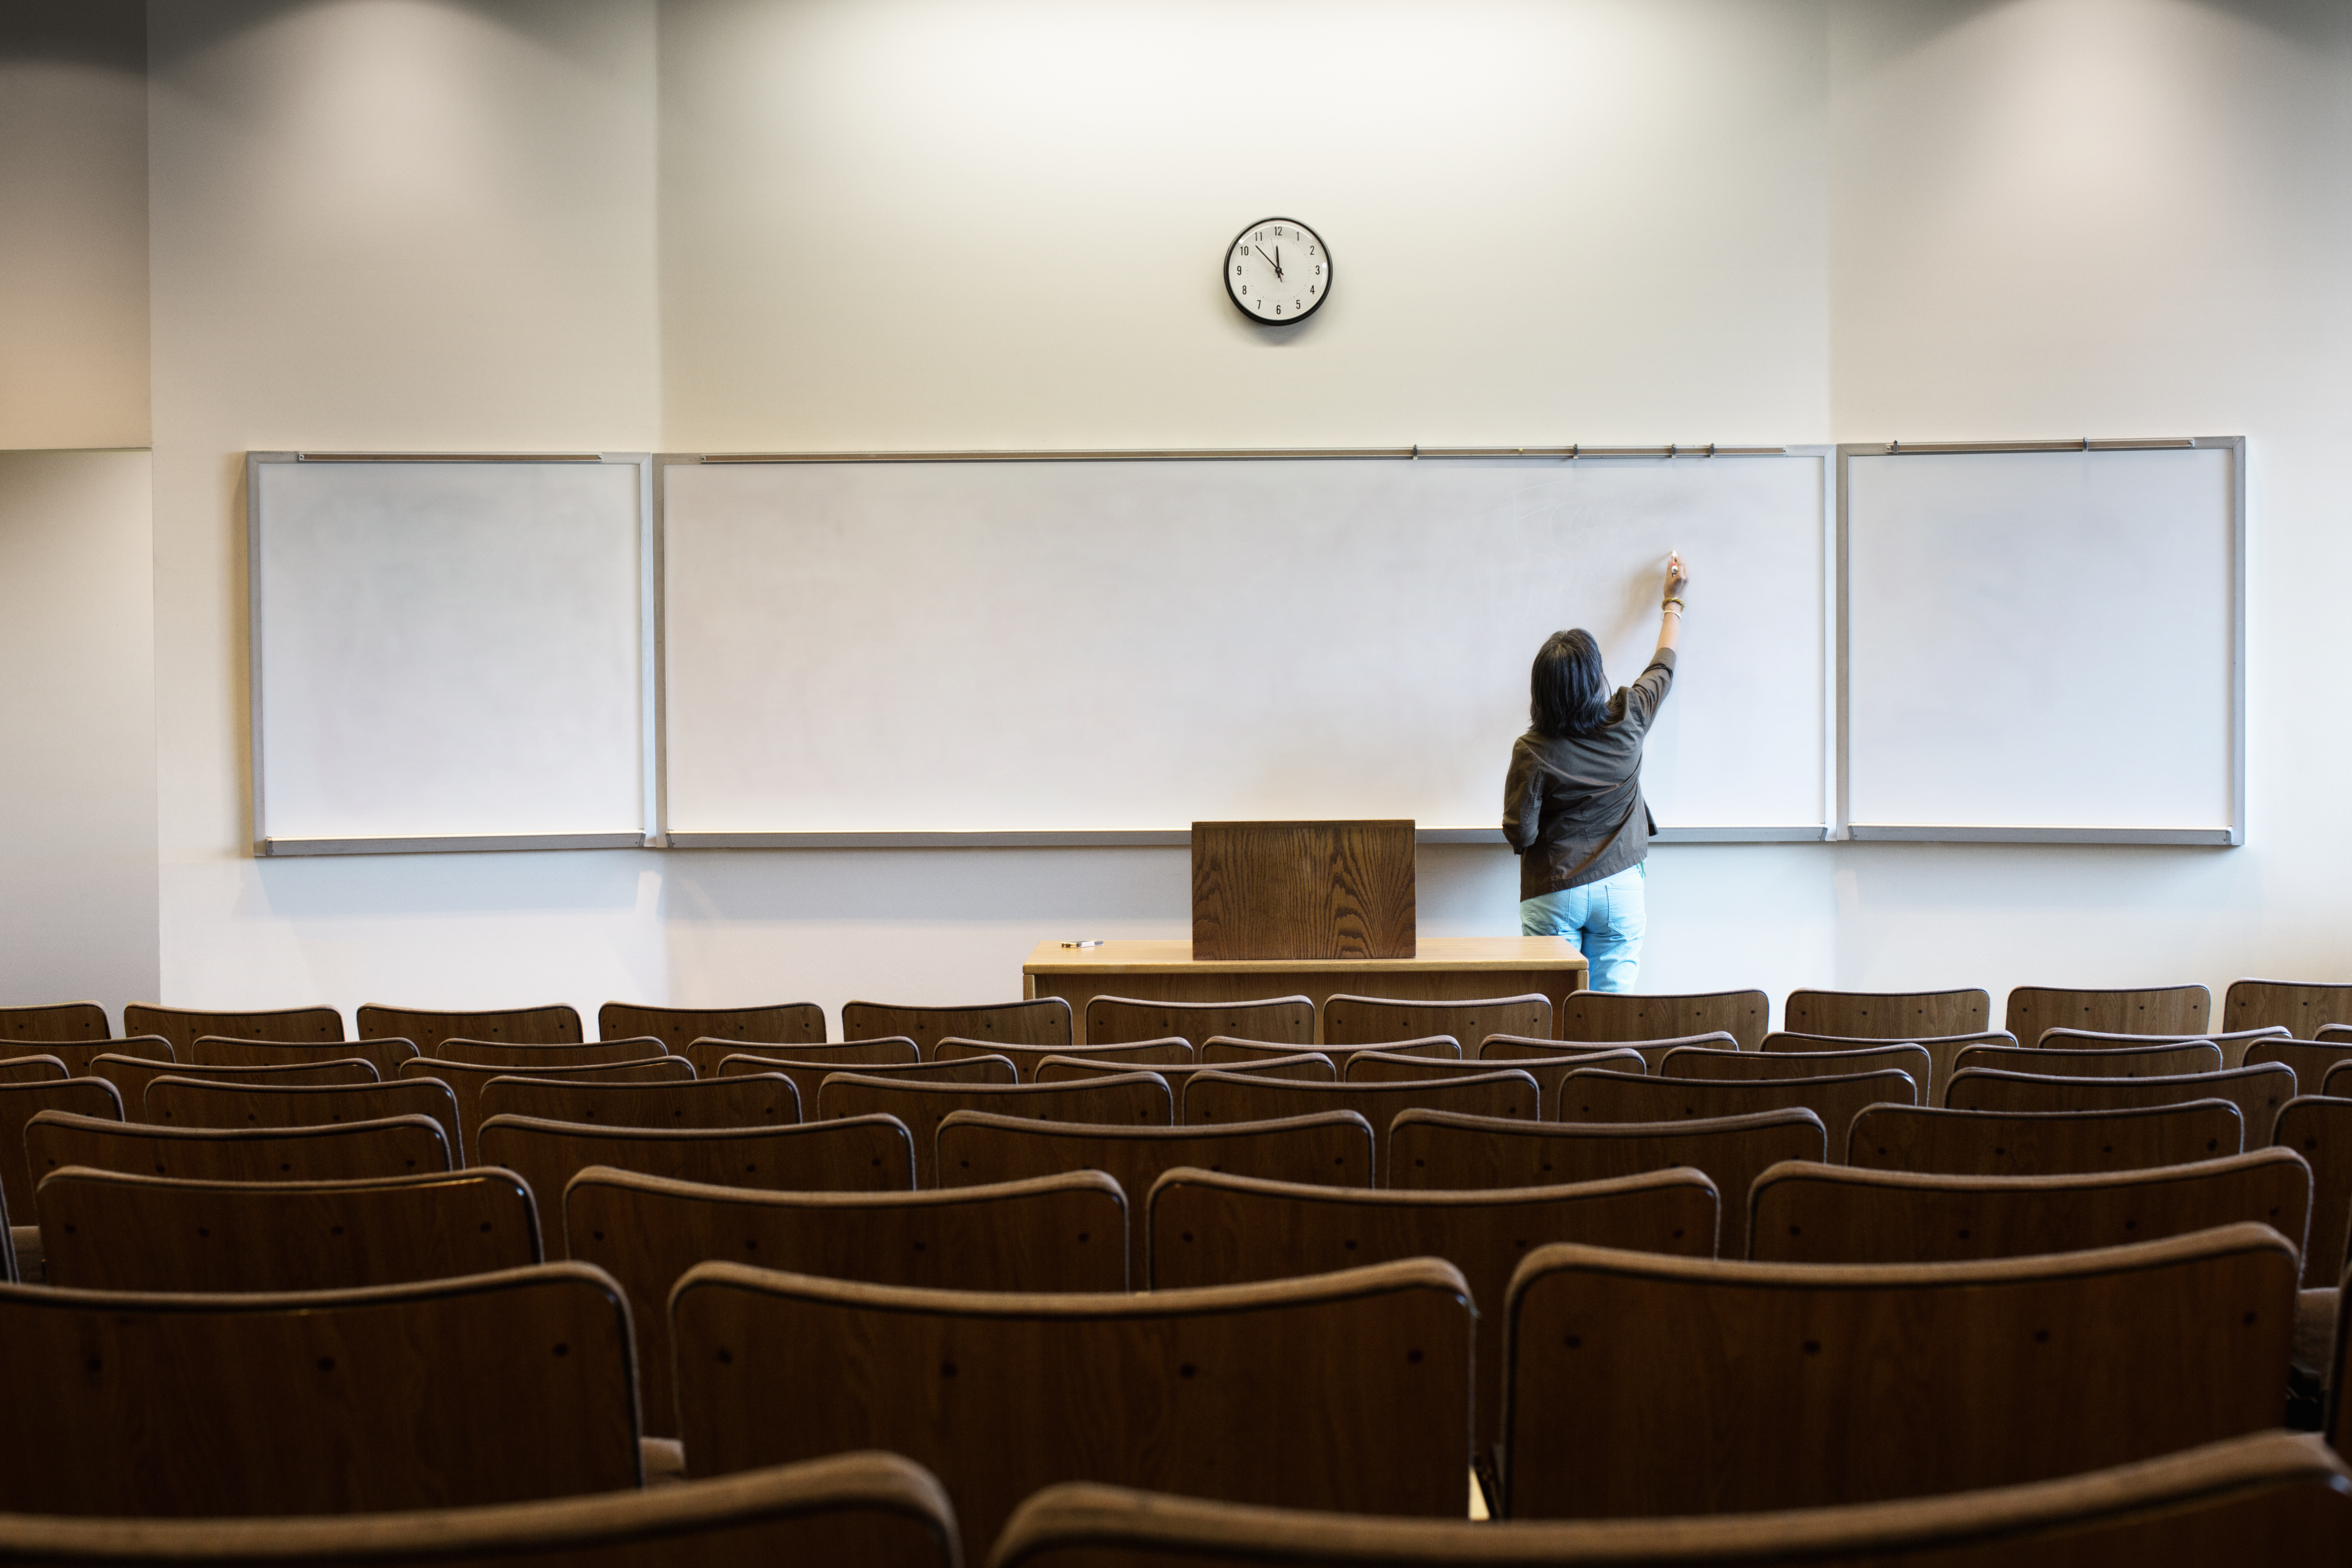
(1174, 956)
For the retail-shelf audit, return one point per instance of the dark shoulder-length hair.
(1570, 692)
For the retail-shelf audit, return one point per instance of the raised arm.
(1670, 613)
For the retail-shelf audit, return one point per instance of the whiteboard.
(2044, 645)
(448, 654)
(1106, 651)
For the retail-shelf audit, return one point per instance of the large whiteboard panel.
(448, 651)
(2043, 643)
(1043, 647)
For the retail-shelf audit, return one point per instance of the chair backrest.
(1826, 1214)
(1173, 1051)
(1050, 1233)
(782, 1023)
(1043, 1021)
(2010, 1371)
(1437, 1149)
(2104, 1062)
(1592, 1094)
(1221, 1050)
(466, 1081)
(2333, 1032)
(340, 1151)
(1886, 1014)
(809, 1077)
(1121, 1099)
(19, 1103)
(844, 1055)
(2043, 1143)
(132, 1075)
(2318, 1129)
(1368, 1020)
(2299, 1007)
(1385, 1067)
(184, 1027)
(873, 1510)
(2258, 1092)
(1333, 1148)
(766, 1099)
(2338, 1082)
(1549, 1061)
(1284, 1020)
(2274, 1497)
(1310, 1065)
(1207, 1228)
(49, 1069)
(197, 1102)
(384, 1055)
(863, 1154)
(1942, 1049)
(1348, 1391)
(551, 1025)
(1751, 1066)
(80, 1057)
(2156, 1010)
(58, 1021)
(1622, 1017)
(1219, 1099)
(2309, 1061)
(108, 1230)
(492, 1388)
(515, 1056)
(1520, 1050)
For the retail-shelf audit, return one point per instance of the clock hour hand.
(1271, 261)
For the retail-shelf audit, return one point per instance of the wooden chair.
(80, 1056)
(1620, 1017)
(873, 1510)
(1222, 1051)
(342, 1152)
(552, 1025)
(1311, 1066)
(1822, 1213)
(2125, 1061)
(1209, 1228)
(1384, 1067)
(1942, 1049)
(846, 1055)
(1549, 1061)
(1886, 1014)
(2319, 1130)
(1222, 1099)
(447, 1392)
(2159, 1010)
(1333, 1148)
(859, 1154)
(195, 1102)
(2330, 1032)
(58, 1022)
(511, 1057)
(2301, 1009)
(2258, 1092)
(1595, 1095)
(1368, 1020)
(1133, 1056)
(184, 1027)
(1433, 1150)
(2310, 1060)
(1754, 1067)
(2043, 1143)
(1856, 1385)
(2232, 1045)
(1348, 1391)
(1283, 1020)
(781, 1024)
(1045, 1020)
(2337, 1082)
(105, 1230)
(52, 1070)
(2272, 1498)
(763, 1099)
(222, 1051)
(132, 1075)
(808, 1078)
(86, 1098)
(466, 1081)
(1050, 1233)
(1121, 1099)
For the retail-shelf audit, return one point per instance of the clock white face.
(1278, 270)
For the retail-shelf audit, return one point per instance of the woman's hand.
(1677, 577)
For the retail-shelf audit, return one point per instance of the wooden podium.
(1292, 890)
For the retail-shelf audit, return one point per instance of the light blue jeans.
(1604, 918)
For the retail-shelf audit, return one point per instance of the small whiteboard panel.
(448, 651)
(2043, 645)
(1040, 647)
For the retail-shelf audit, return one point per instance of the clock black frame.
(1331, 275)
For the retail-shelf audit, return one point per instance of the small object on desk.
(1095, 942)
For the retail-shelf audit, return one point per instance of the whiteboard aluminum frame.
(267, 848)
(2231, 837)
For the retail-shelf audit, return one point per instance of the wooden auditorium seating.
(2167, 1060)
(1437, 1149)
(1045, 1020)
(1384, 1067)
(174, 1102)
(1591, 1094)
(1216, 1098)
(2338, 1081)
(1548, 1062)
(1523, 1051)
(809, 1077)
(1121, 1099)
(550, 1025)
(1312, 1066)
(2231, 1044)
(52, 1070)
(1222, 1049)
(466, 1081)
(1171, 1051)
(846, 1055)
(1706, 1062)
(80, 1056)
(184, 1027)
(1368, 1020)
(61, 1021)
(2159, 1010)
(1621, 1017)
(341, 1151)
(858, 1154)
(2044, 1143)
(222, 1050)
(132, 1075)
(761, 1100)
(2309, 1061)
(105, 1230)
(2318, 1129)
(2258, 1092)
(1861, 1385)
(1802, 1212)
(2301, 1009)
(1115, 1020)
(1058, 1232)
(85, 1098)
(520, 1057)
(489, 1388)
(1942, 1049)
(1348, 1391)
(782, 1024)
(1886, 1014)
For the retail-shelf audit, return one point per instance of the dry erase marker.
(1095, 942)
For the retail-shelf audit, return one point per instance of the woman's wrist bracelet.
(1674, 600)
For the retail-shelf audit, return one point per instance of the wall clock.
(1278, 270)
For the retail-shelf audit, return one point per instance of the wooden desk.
(1445, 969)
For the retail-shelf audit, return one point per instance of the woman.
(1572, 805)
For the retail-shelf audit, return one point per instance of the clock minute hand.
(1270, 262)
